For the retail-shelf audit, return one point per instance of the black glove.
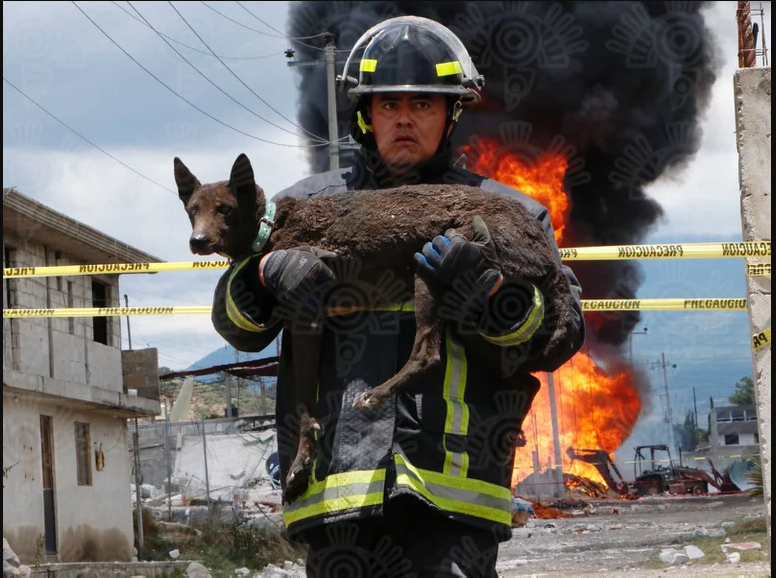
(468, 267)
(298, 275)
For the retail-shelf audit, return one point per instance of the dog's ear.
(185, 180)
(242, 180)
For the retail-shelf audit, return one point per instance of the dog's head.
(224, 215)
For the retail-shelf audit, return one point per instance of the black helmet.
(413, 54)
(410, 54)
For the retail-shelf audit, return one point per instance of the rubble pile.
(12, 567)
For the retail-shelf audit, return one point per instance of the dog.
(381, 230)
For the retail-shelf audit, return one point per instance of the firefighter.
(422, 485)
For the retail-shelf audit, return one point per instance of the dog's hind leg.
(306, 347)
(426, 352)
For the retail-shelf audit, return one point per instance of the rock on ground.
(197, 570)
(9, 555)
(693, 552)
(289, 570)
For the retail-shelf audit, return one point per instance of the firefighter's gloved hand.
(296, 275)
(470, 268)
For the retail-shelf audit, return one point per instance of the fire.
(596, 410)
(540, 178)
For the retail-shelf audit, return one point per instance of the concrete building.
(734, 426)
(65, 402)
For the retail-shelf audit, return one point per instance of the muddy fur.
(380, 231)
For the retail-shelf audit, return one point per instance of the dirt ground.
(629, 542)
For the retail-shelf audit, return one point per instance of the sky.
(57, 56)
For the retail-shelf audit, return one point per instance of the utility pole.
(331, 93)
(129, 331)
(228, 384)
(669, 414)
(695, 404)
(630, 342)
(559, 486)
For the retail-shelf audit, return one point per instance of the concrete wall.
(60, 348)
(743, 440)
(140, 368)
(93, 522)
(752, 88)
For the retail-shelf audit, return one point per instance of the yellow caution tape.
(674, 251)
(664, 304)
(758, 269)
(112, 268)
(587, 305)
(107, 311)
(677, 251)
(761, 340)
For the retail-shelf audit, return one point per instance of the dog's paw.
(371, 399)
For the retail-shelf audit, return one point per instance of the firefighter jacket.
(449, 440)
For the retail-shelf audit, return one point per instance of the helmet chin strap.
(450, 125)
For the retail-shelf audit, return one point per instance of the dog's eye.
(224, 209)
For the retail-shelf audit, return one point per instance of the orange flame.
(540, 178)
(596, 410)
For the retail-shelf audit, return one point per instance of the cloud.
(92, 188)
(703, 200)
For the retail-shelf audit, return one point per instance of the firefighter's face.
(407, 127)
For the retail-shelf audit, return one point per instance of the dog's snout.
(199, 241)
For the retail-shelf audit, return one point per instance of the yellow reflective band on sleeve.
(457, 419)
(368, 65)
(448, 68)
(460, 495)
(232, 311)
(337, 493)
(527, 329)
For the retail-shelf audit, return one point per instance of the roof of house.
(28, 219)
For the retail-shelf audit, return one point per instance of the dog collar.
(265, 227)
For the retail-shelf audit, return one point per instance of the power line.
(298, 39)
(184, 99)
(202, 74)
(194, 48)
(239, 79)
(122, 163)
(280, 34)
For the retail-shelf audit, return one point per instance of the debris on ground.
(11, 564)
(673, 557)
(693, 552)
(543, 512)
(741, 546)
(197, 570)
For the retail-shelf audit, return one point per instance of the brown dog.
(381, 231)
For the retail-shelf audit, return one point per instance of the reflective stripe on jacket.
(449, 440)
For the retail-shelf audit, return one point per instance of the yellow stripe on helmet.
(449, 68)
(368, 65)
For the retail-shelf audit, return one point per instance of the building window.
(70, 320)
(58, 262)
(731, 439)
(82, 454)
(9, 260)
(100, 324)
(757, 438)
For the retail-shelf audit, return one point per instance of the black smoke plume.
(623, 86)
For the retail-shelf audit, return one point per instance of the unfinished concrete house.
(65, 400)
